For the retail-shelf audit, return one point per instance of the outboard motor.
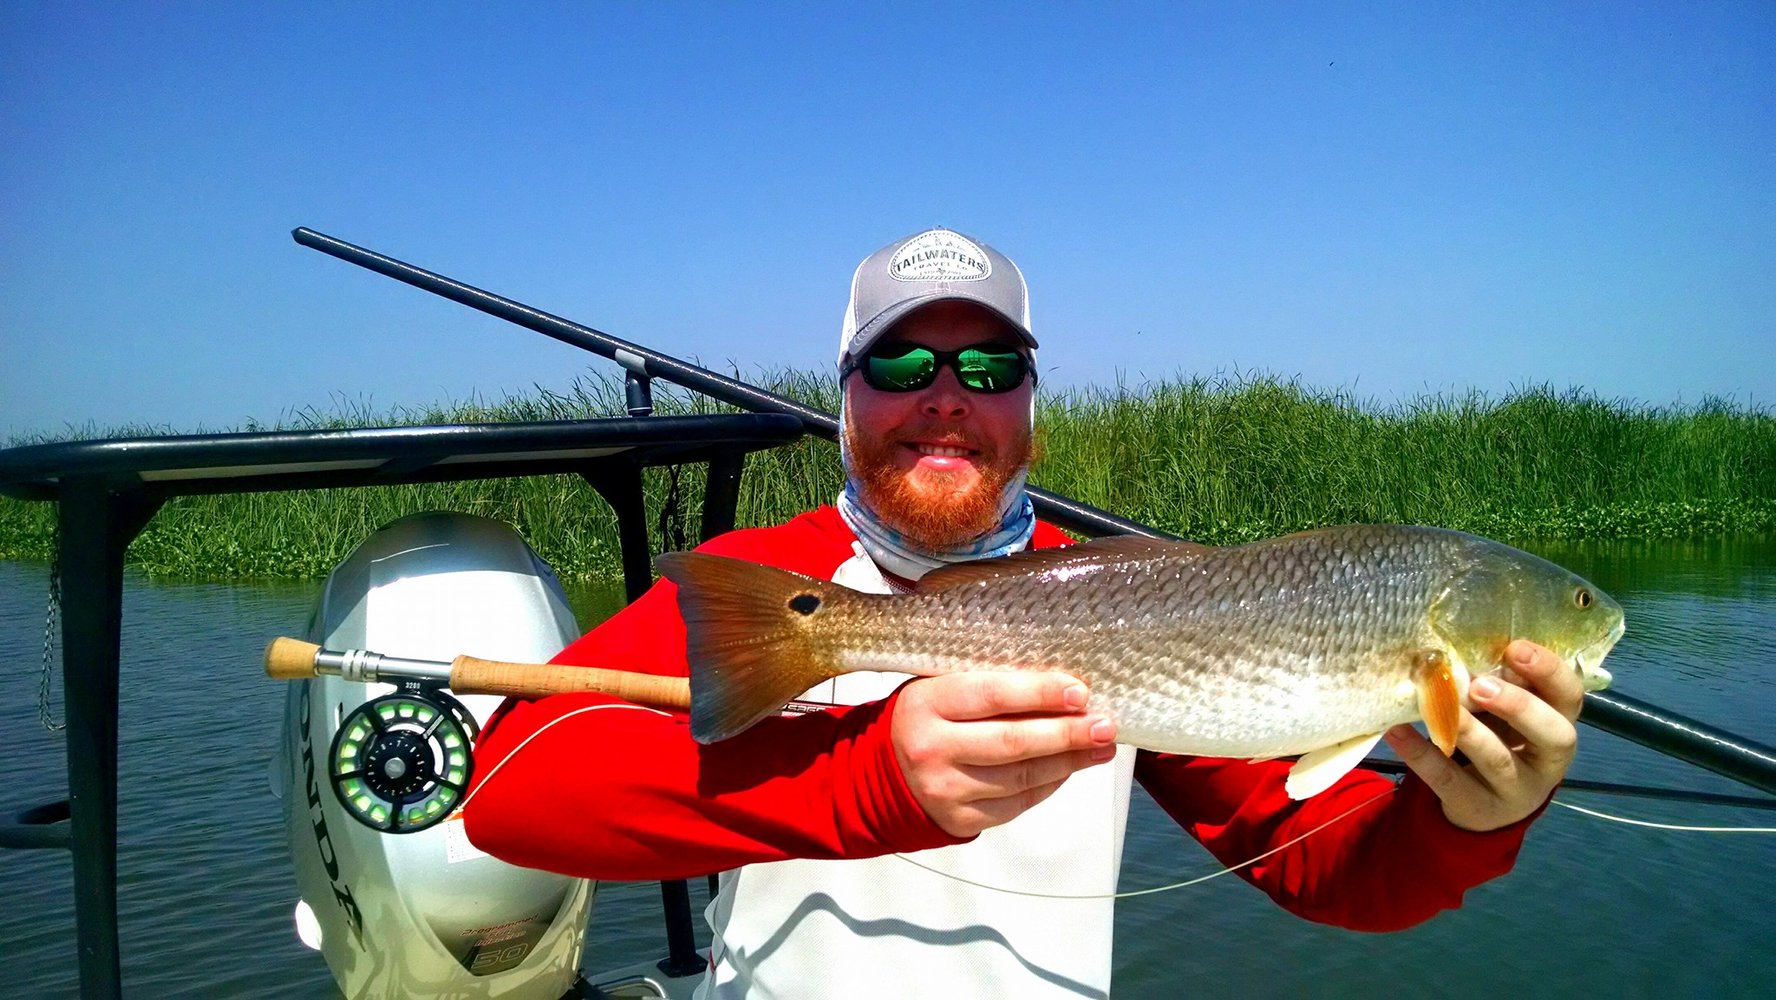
(392, 892)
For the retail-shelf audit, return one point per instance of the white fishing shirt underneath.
(884, 928)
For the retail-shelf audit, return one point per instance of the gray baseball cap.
(932, 266)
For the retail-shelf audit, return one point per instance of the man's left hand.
(1516, 754)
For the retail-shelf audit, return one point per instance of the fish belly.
(1283, 705)
(1292, 715)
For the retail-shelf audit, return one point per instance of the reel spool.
(400, 763)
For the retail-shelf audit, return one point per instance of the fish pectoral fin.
(1439, 697)
(1315, 772)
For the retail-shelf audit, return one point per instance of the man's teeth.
(942, 450)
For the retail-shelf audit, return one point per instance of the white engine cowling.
(425, 913)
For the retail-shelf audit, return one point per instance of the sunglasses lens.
(909, 367)
(914, 368)
(990, 371)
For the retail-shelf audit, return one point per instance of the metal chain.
(49, 633)
(672, 528)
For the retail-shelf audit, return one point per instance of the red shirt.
(627, 794)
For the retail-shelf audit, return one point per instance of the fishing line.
(1135, 892)
(1664, 826)
(1163, 888)
(979, 885)
(552, 723)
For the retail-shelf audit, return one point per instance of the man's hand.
(1516, 755)
(979, 748)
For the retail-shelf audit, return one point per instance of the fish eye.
(1582, 598)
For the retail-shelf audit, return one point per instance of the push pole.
(639, 360)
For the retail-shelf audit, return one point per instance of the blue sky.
(1389, 198)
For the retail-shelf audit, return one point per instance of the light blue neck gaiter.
(893, 552)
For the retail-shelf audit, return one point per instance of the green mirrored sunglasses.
(904, 367)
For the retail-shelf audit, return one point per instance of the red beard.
(931, 509)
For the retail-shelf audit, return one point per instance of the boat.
(392, 894)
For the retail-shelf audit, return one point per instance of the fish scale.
(1193, 675)
(1287, 646)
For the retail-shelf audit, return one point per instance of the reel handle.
(472, 675)
(288, 659)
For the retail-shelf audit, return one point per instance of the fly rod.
(288, 659)
(292, 659)
(402, 762)
(1674, 735)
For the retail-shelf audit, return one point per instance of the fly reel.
(400, 763)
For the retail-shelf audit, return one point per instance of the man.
(1008, 780)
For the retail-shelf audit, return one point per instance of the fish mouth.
(1589, 661)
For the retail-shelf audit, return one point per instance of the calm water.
(205, 892)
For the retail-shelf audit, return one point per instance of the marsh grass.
(1232, 459)
(1221, 459)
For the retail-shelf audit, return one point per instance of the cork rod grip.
(472, 675)
(288, 659)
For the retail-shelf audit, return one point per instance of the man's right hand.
(979, 748)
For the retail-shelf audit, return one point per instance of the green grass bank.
(1220, 460)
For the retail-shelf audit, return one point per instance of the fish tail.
(749, 638)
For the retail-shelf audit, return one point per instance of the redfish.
(1311, 644)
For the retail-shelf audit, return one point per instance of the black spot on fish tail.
(747, 638)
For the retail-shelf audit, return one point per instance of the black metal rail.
(1715, 749)
(107, 491)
